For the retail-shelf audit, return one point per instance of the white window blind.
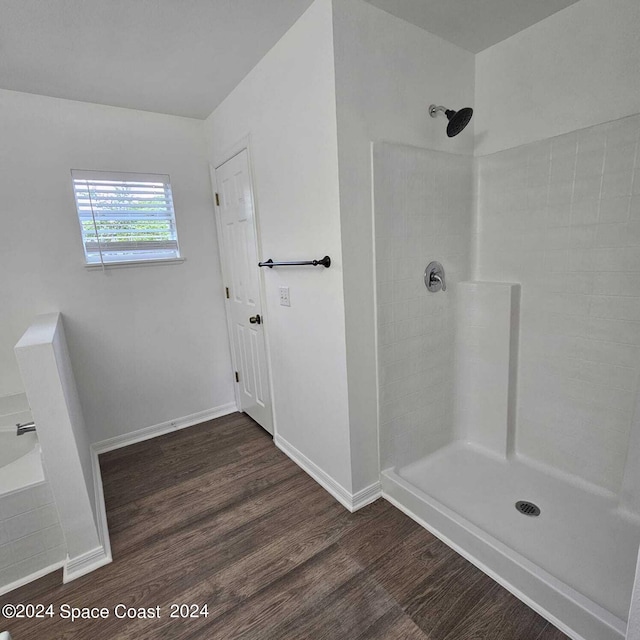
(125, 217)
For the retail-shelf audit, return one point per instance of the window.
(125, 217)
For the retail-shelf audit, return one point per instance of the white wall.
(148, 344)
(565, 203)
(388, 72)
(287, 106)
(562, 217)
(423, 211)
(577, 68)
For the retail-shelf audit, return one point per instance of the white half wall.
(50, 384)
(286, 108)
(148, 343)
(577, 68)
(486, 364)
(388, 72)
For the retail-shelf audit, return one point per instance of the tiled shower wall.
(31, 538)
(562, 217)
(423, 212)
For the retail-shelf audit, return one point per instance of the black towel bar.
(325, 262)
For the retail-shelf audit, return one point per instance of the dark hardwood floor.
(216, 515)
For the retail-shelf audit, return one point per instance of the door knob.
(255, 319)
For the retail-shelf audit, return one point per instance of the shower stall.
(509, 402)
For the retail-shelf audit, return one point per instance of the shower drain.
(528, 508)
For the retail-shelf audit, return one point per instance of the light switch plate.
(284, 297)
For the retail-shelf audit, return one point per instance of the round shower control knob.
(434, 277)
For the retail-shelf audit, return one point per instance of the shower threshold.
(574, 563)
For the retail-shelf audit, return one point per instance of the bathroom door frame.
(243, 144)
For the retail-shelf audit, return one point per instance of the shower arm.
(433, 110)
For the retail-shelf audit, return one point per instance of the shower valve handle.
(436, 278)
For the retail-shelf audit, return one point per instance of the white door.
(242, 282)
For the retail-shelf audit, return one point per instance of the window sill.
(132, 263)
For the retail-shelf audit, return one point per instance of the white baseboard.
(366, 496)
(101, 516)
(86, 563)
(351, 501)
(101, 555)
(30, 578)
(163, 428)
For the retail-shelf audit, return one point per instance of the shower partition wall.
(520, 382)
(424, 212)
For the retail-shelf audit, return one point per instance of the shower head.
(458, 120)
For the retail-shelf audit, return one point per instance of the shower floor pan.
(574, 563)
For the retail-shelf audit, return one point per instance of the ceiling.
(171, 56)
(185, 56)
(473, 24)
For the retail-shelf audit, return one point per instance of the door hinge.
(226, 289)
(237, 377)
(217, 200)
